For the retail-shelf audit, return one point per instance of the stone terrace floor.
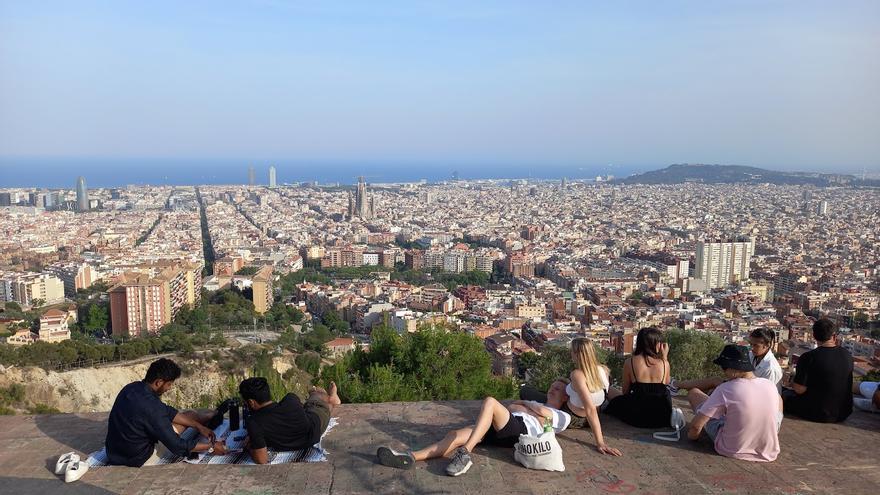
(816, 458)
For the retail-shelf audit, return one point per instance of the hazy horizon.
(107, 172)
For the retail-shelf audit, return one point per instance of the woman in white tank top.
(588, 380)
(597, 398)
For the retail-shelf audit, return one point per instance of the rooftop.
(815, 458)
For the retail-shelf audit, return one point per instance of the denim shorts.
(713, 427)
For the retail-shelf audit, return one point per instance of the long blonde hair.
(585, 360)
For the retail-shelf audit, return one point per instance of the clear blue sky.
(782, 84)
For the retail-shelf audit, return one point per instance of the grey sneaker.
(461, 462)
(392, 458)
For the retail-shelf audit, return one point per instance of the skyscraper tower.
(252, 176)
(822, 208)
(82, 194)
(272, 176)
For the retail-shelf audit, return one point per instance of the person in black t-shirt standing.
(287, 425)
(822, 386)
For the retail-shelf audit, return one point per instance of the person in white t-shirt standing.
(496, 425)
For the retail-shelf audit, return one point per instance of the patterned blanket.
(237, 454)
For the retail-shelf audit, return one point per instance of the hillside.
(203, 384)
(730, 174)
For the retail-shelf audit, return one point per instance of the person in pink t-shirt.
(743, 414)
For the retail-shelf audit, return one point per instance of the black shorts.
(508, 435)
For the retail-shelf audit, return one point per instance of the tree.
(691, 353)
(315, 340)
(310, 362)
(860, 320)
(636, 297)
(431, 364)
(554, 362)
(97, 317)
(38, 303)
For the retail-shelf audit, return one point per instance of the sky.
(789, 85)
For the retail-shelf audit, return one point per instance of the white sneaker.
(75, 471)
(64, 460)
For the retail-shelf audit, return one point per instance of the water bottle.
(234, 417)
(548, 425)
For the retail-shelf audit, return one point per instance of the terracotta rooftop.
(816, 458)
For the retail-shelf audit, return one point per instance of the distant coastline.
(55, 173)
(62, 173)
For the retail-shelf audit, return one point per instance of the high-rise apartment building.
(51, 200)
(139, 304)
(75, 276)
(272, 182)
(822, 208)
(262, 287)
(414, 259)
(142, 302)
(6, 289)
(25, 289)
(342, 256)
(252, 176)
(361, 205)
(82, 194)
(520, 264)
(720, 263)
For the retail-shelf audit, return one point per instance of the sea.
(103, 172)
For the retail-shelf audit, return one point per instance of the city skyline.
(500, 84)
(231, 172)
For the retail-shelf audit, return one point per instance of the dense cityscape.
(517, 263)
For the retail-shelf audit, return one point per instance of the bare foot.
(334, 397)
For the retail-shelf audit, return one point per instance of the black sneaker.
(400, 460)
(461, 462)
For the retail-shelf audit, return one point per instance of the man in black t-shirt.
(287, 425)
(822, 386)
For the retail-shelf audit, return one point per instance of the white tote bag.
(541, 452)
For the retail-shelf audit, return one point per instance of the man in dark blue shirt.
(139, 419)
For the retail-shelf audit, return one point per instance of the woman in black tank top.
(645, 404)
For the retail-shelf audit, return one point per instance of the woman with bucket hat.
(743, 414)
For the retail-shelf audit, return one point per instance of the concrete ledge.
(816, 458)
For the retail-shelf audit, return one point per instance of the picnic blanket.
(237, 454)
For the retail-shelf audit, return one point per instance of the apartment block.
(263, 291)
(75, 276)
(139, 304)
(26, 289)
(720, 263)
